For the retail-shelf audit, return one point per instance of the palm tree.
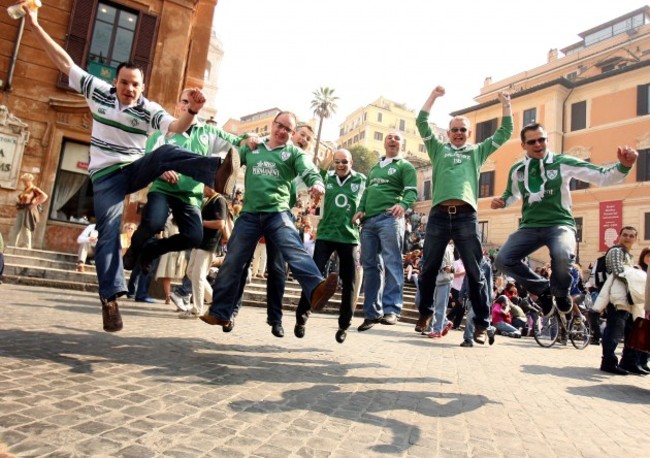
(324, 106)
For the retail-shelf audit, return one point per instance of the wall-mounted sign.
(13, 138)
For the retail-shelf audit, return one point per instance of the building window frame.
(485, 129)
(72, 196)
(529, 116)
(486, 184)
(643, 99)
(579, 115)
(643, 165)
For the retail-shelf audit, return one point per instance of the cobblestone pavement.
(180, 388)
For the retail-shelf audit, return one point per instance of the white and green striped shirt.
(119, 133)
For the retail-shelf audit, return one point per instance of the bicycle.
(547, 330)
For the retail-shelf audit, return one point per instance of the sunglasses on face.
(455, 130)
(341, 161)
(281, 126)
(539, 140)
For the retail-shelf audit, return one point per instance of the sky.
(278, 52)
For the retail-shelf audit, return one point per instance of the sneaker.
(226, 176)
(111, 316)
(447, 327)
(564, 304)
(147, 300)
(545, 301)
(491, 332)
(480, 335)
(467, 343)
(434, 335)
(178, 301)
(389, 319)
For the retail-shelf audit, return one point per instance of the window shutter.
(79, 29)
(144, 42)
(642, 100)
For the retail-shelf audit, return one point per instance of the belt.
(453, 209)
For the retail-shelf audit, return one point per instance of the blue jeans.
(154, 217)
(249, 227)
(462, 228)
(383, 272)
(561, 242)
(139, 283)
(440, 301)
(502, 326)
(109, 192)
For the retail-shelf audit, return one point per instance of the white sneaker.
(178, 302)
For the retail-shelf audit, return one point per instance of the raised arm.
(504, 98)
(183, 122)
(56, 53)
(439, 91)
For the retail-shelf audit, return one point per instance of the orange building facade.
(168, 38)
(590, 100)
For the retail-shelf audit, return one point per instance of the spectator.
(87, 241)
(502, 318)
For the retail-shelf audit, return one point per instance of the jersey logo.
(203, 139)
(354, 187)
(392, 170)
(551, 174)
(329, 186)
(285, 155)
(134, 122)
(101, 111)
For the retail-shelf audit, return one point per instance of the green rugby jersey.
(269, 173)
(554, 209)
(342, 198)
(456, 171)
(389, 182)
(203, 140)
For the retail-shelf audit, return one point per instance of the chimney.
(552, 55)
(487, 81)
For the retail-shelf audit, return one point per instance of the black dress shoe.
(341, 335)
(367, 324)
(299, 331)
(277, 330)
(633, 369)
(616, 370)
(229, 327)
(644, 367)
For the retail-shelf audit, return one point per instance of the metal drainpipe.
(14, 55)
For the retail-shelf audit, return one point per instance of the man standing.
(269, 172)
(542, 180)
(122, 120)
(391, 188)
(176, 192)
(456, 172)
(337, 233)
(620, 316)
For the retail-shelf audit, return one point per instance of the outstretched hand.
(497, 202)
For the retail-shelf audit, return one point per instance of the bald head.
(342, 162)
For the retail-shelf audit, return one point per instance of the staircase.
(58, 270)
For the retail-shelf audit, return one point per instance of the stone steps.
(58, 270)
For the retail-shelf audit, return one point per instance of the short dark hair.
(287, 113)
(131, 66)
(306, 126)
(628, 228)
(529, 127)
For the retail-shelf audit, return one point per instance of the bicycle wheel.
(546, 330)
(579, 332)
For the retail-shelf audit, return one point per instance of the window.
(362, 135)
(530, 116)
(342, 132)
(483, 231)
(402, 125)
(102, 34)
(578, 220)
(72, 199)
(365, 115)
(486, 184)
(643, 165)
(356, 139)
(379, 136)
(485, 129)
(579, 115)
(608, 68)
(427, 190)
(380, 117)
(643, 99)
(646, 229)
(404, 145)
(421, 148)
(572, 76)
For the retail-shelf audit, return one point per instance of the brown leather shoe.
(423, 323)
(111, 316)
(324, 291)
(213, 320)
(80, 267)
(480, 334)
(226, 176)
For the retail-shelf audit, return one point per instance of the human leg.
(275, 283)
(440, 306)
(373, 271)
(561, 242)
(348, 260)
(613, 333)
(391, 233)
(510, 259)
(322, 252)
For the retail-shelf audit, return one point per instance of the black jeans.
(619, 325)
(348, 260)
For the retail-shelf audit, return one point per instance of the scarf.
(539, 195)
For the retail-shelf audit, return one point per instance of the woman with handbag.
(28, 207)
